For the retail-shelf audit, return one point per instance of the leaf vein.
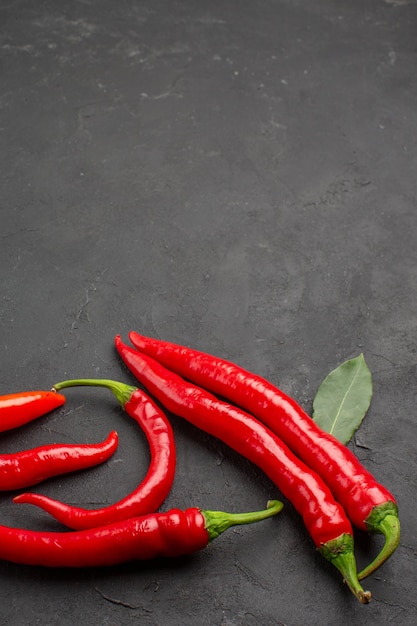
(343, 401)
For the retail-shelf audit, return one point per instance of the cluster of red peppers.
(321, 477)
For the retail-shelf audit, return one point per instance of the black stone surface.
(239, 177)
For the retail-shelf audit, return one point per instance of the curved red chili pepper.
(369, 505)
(17, 409)
(323, 517)
(169, 534)
(23, 469)
(151, 492)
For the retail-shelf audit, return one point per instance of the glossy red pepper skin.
(323, 517)
(29, 467)
(147, 537)
(149, 494)
(169, 534)
(17, 409)
(365, 500)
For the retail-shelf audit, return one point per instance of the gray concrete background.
(239, 177)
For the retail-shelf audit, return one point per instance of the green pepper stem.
(219, 521)
(121, 391)
(389, 526)
(340, 553)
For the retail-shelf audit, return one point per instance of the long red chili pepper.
(17, 409)
(169, 534)
(154, 488)
(29, 467)
(369, 505)
(323, 517)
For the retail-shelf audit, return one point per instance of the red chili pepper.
(17, 409)
(30, 467)
(151, 492)
(369, 505)
(323, 517)
(169, 534)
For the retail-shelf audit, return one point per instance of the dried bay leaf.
(343, 399)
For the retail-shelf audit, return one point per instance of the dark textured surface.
(239, 177)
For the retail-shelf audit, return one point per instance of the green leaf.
(343, 399)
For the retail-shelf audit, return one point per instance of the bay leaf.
(343, 399)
